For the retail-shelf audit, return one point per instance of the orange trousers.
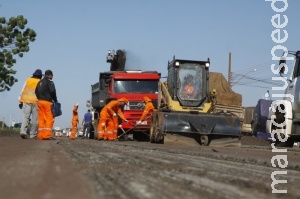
(108, 128)
(74, 129)
(45, 120)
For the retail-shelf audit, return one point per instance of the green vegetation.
(14, 41)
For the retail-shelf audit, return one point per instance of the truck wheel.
(151, 134)
(155, 135)
(162, 140)
(205, 140)
(95, 126)
(152, 129)
(289, 143)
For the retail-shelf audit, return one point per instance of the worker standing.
(46, 95)
(28, 102)
(87, 124)
(75, 121)
(108, 125)
(149, 108)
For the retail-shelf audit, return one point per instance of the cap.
(123, 99)
(38, 72)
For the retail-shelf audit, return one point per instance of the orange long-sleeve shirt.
(75, 114)
(148, 108)
(111, 108)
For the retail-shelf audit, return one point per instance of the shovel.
(136, 124)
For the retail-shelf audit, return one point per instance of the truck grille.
(134, 105)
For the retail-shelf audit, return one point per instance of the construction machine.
(260, 117)
(133, 85)
(191, 112)
(283, 122)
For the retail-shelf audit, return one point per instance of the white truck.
(284, 117)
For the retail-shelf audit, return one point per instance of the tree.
(14, 41)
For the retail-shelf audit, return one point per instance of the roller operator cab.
(187, 84)
(186, 105)
(284, 117)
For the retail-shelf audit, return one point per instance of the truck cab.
(284, 117)
(133, 85)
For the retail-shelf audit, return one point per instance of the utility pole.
(229, 70)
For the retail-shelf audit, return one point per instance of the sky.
(73, 38)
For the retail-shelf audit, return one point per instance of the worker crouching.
(108, 125)
(149, 108)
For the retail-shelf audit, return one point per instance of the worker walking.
(149, 108)
(46, 95)
(108, 125)
(87, 124)
(28, 102)
(75, 121)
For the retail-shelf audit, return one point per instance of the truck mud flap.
(206, 124)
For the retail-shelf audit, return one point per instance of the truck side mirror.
(282, 63)
(88, 104)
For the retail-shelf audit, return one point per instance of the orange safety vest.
(28, 91)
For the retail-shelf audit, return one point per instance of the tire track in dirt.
(144, 170)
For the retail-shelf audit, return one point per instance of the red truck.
(133, 85)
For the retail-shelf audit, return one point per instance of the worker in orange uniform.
(75, 121)
(149, 108)
(46, 94)
(189, 91)
(108, 125)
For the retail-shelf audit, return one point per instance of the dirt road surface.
(180, 168)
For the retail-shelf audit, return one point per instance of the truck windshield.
(191, 82)
(136, 86)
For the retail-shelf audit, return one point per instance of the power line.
(261, 76)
